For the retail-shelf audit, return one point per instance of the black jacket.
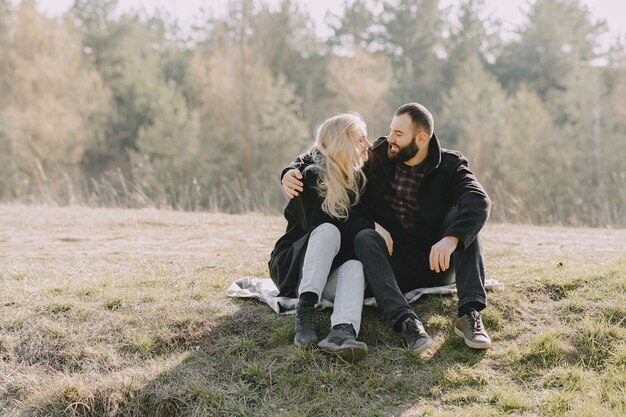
(448, 184)
(303, 214)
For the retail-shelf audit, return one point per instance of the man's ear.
(422, 137)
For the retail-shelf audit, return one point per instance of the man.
(433, 207)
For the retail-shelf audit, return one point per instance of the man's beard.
(405, 153)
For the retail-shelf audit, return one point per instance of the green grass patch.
(459, 376)
(198, 296)
(7, 348)
(613, 389)
(558, 403)
(437, 322)
(282, 333)
(545, 350)
(113, 304)
(465, 397)
(600, 343)
(57, 308)
(557, 289)
(568, 378)
(143, 343)
(509, 398)
(454, 349)
(493, 319)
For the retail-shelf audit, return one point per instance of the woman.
(315, 257)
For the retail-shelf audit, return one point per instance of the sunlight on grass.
(546, 350)
(437, 322)
(567, 378)
(600, 343)
(137, 328)
(509, 398)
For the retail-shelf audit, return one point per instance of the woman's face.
(362, 144)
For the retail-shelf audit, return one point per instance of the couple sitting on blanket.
(346, 195)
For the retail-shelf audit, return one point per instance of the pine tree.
(559, 36)
(475, 35)
(412, 35)
(355, 27)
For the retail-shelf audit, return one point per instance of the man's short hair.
(420, 116)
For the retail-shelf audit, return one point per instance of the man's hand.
(386, 235)
(440, 253)
(291, 183)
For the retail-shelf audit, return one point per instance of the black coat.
(303, 214)
(448, 184)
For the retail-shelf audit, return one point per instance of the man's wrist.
(454, 239)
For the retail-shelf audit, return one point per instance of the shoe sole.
(424, 346)
(305, 345)
(349, 353)
(471, 344)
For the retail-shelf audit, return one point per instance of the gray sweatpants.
(344, 285)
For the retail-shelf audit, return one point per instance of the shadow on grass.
(246, 365)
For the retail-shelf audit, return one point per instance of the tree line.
(134, 110)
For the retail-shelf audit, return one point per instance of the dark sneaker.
(416, 337)
(342, 341)
(470, 327)
(305, 327)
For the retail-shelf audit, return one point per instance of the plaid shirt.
(401, 193)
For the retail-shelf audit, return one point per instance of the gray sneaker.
(342, 341)
(470, 327)
(416, 337)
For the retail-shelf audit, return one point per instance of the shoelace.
(305, 317)
(343, 330)
(475, 322)
(414, 329)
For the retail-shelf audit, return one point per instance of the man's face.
(402, 139)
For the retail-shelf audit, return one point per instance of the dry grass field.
(107, 312)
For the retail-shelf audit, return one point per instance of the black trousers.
(388, 277)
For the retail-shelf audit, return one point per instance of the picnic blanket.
(265, 290)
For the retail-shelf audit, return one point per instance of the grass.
(107, 312)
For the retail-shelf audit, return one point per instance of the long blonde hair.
(341, 179)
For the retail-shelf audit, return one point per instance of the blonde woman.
(315, 258)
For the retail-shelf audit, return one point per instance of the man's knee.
(368, 238)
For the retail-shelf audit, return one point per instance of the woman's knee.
(353, 268)
(351, 272)
(328, 232)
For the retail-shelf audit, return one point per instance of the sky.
(510, 12)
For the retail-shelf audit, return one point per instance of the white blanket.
(265, 290)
